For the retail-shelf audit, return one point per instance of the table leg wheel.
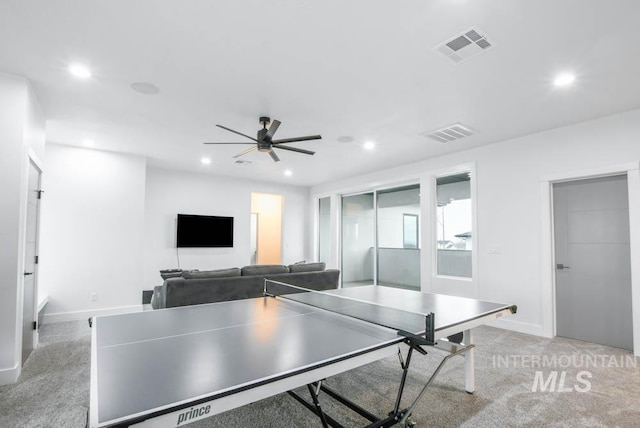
(410, 422)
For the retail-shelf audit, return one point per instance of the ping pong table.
(171, 367)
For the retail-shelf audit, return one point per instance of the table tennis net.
(395, 319)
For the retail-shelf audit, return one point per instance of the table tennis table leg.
(469, 363)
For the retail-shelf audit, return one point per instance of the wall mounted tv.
(204, 231)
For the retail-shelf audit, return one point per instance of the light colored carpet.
(53, 390)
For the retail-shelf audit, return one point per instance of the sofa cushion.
(219, 273)
(307, 267)
(264, 270)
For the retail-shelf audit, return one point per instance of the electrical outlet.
(93, 296)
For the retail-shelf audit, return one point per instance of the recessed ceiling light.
(564, 79)
(145, 88)
(369, 145)
(80, 71)
(288, 173)
(205, 161)
(87, 143)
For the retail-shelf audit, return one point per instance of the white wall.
(509, 214)
(21, 131)
(171, 192)
(92, 228)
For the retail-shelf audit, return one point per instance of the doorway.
(592, 261)
(268, 228)
(30, 274)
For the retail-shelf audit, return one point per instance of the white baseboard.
(85, 315)
(520, 327)
(9, 376)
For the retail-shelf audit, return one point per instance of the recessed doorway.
(267, 208)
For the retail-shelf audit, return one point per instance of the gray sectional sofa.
(182, 288)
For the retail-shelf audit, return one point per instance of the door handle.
(560, 266)
(28, 273)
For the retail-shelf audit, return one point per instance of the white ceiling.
(365, 69)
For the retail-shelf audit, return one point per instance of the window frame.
(447, 284)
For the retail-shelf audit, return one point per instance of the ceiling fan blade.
(293, 140)
(294, 149)
(272, 130)
(236, 132)
(226, 143)
(274, 156)
(249, 150)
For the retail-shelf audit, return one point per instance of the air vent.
(449, 133)
(244, 162)
(465, 45)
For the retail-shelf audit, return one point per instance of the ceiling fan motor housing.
(263, 146)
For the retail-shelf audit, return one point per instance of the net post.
(429, 333)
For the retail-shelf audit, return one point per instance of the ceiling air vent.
(449, 133)
(464, 45)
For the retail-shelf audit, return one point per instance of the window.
(454, 225)
(409, 231)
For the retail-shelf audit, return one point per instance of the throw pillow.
(219, 273)
(308, 267)
(170, 273)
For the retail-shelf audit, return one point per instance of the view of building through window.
(454, 224)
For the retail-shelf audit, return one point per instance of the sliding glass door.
(381, 238)
(358, 240)
(398, 244)
(324, 230)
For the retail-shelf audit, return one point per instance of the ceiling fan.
(265, 142)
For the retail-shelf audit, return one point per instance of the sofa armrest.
(159, 298)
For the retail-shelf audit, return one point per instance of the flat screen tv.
(204, 231)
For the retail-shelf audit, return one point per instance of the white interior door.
(29, 315)
(592, 261)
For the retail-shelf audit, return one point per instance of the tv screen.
(204, 231)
